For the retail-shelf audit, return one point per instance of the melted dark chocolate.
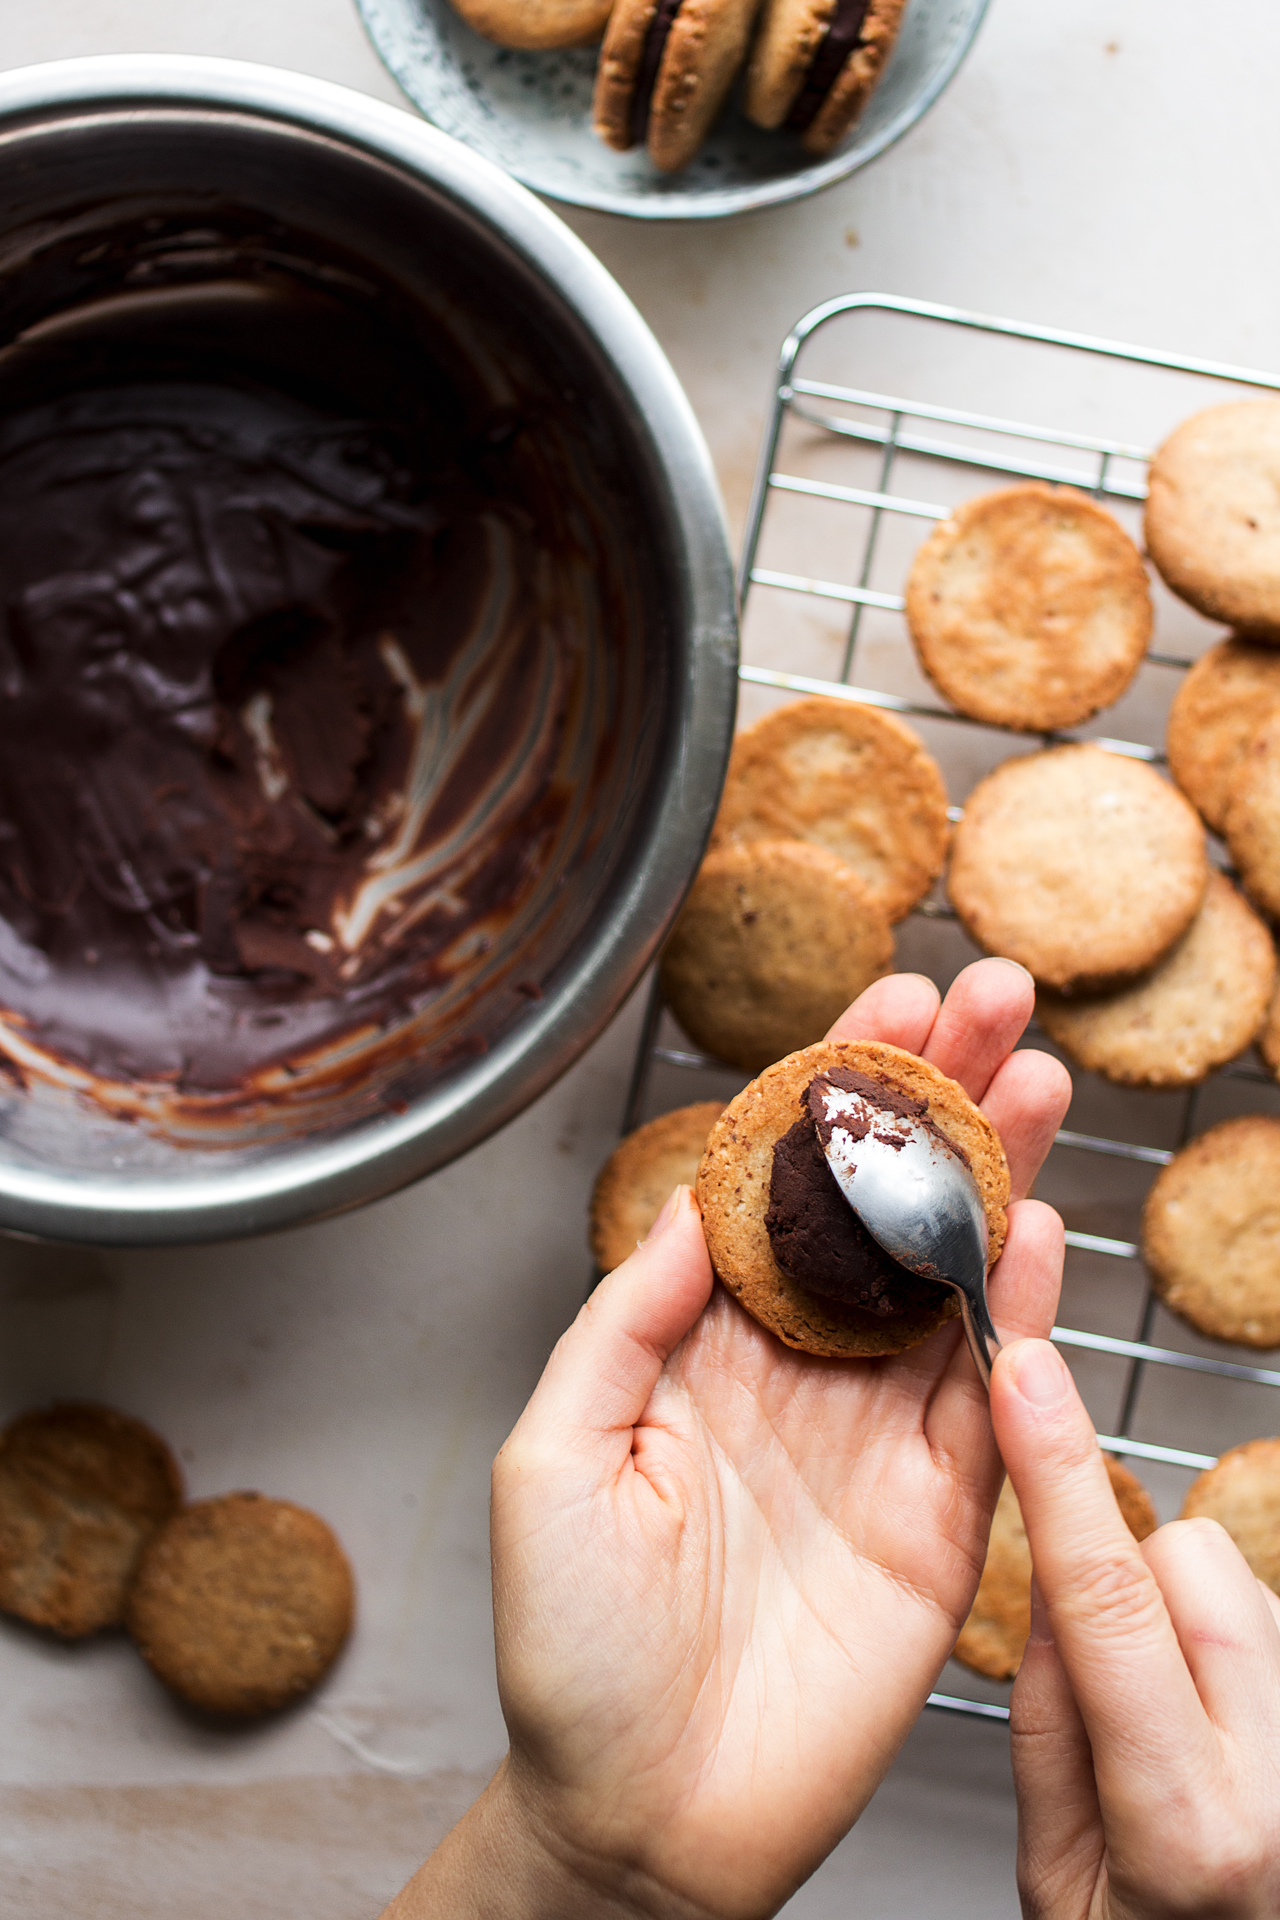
(658, 32)
(817, 1239)
(842, 38)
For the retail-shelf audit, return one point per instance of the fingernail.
(664, 1219)
(1040, 1374)
(1041, 1632)
(1005, 961)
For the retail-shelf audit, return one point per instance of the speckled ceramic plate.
(531, 113)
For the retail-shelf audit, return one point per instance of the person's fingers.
(1059, 1821)
(900, 1010)
(985, 1011)
(1026, 1102)
(1225, 1628)
(1112, 1629)
(1022, 1293)
(603, 1369)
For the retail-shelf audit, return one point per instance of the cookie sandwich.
(537, 23)
(783, 1239)
(665, 69)
(815, 64)
(638, 1177)
(994, 1637)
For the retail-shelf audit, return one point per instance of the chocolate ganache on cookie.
(817, 1239)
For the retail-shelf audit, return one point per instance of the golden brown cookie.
(1213, 514)
(241, 1604)
(994, 1637)
(1029, 608)
(1198, 1008)
(1211, 1232)
(1220, 706)
(537, 23)
(1253, 817)
(665, 70)
(734, 1185)
(815, 63)
(637, 1179)
(1082, 864)
(82, 1488)
(774, 941)
(1242, 1493)
(1269, 1038)
(848, 778)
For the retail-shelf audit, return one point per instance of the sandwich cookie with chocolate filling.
(783, 1239)
(665, 69)
(537, 23)
(815, 64)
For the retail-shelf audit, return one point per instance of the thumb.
(603, 1369)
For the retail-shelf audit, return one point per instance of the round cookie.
(1253, 817)
(537, 23)
(815, 63)
(1242, 1493)
(1211, 1232)
(734, 1186)
(1216, 713)
(1081, 864)
(1269, 1038)
(241, 1604)
(638, 1177)
(994, 1637)
(1198, 1008)
(1029, 608)
(774, 941)
(82, 1488)
(665, 70)
(1213, 514)
(848, 778)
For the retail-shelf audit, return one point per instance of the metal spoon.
(918, 1200)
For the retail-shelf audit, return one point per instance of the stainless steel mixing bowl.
(94, 149)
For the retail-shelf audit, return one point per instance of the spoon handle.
(984, 1342)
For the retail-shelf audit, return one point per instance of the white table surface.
(1105, 167)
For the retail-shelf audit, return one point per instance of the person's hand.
(1146, 1715)
(726, 1574)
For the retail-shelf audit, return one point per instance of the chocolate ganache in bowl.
(366, 650)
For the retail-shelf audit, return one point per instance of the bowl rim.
(709, 203)
(299, 1184)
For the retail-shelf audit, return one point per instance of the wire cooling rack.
(848, 481)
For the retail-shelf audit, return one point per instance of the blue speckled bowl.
(531, 113)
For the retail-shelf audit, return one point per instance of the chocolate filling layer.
(842, 37)
(655, 45)
(817, 1239)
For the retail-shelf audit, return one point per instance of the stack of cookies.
(668, 66)
(832, 826)
(239, 1604)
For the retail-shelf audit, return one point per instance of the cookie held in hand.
(848, 778)
(639, 1176)
(1029, 608)
(241, 1604)
(775, 940)
(994, 1637)
(1081, 864)
(778, 1228)
(1213, 514)
(82, 1489)
(815, 64)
